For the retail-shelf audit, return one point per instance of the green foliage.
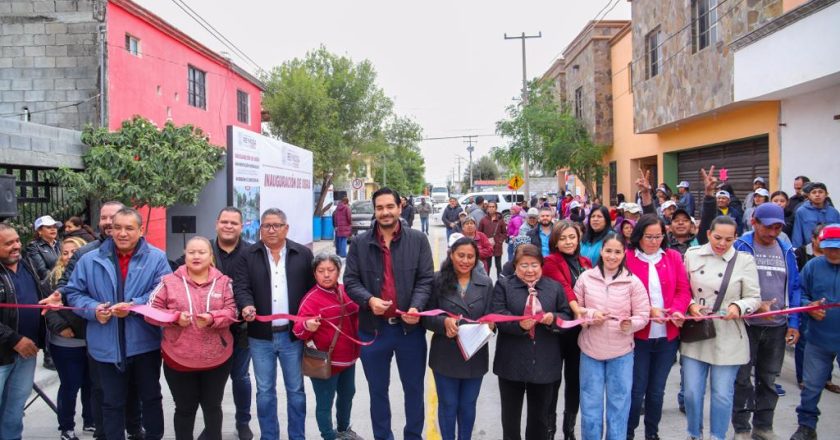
(485, 169)
(332, 106)
(550, 137)
(143, 165)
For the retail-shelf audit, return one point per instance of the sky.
(445, 64)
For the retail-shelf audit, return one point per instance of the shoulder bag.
(695, 331)
(317, 364)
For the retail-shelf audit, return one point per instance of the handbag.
(317, 364)
(695, 331)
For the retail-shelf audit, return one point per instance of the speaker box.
(183, 224)
(8, 196)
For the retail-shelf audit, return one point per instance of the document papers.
(471, 337)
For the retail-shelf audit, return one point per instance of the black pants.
(539, 397)
(767, 353)
(143, 372)
(194, 388)
(133, 417)
(489, 261)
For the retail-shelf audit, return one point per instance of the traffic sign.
(515, 182)
(357, 183)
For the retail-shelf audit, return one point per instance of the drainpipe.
(103, 83)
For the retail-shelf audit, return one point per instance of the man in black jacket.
(388, 269)
(449, 217)
(21, 331)
(272, 277)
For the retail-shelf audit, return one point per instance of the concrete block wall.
(49, 60)
(29, 144)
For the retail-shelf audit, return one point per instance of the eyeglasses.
(272, 226)
(653, 237)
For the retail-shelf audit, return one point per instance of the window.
(579, 102)
(653, 52)
(243, 107)
(704, 18)
(196, 87)
(613, 182)
(132, 45)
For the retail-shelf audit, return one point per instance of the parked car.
(504, 200)
(361, 212)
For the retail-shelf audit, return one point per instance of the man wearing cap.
(531, 222)
(667, 211)
(44, 250)
(757, 197)
(779, 280)
(450, 216)
(539, 235)
(686, 199)
(680, 237)
(725, 207)
(758, 183)
(820, 283)
(813, 212)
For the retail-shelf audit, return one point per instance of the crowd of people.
(641, 277)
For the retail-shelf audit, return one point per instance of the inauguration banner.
(268, 173)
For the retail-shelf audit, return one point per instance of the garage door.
(744, 161)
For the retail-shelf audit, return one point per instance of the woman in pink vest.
(196, 348)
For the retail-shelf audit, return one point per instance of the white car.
(504, 200)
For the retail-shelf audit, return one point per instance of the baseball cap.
(769, 214)
(46, 220)
(569, 193)
(759, 180)
(462, 214)
(722, 193)
(830, 237)
(632, 208)
(453, 238)
(681, 211)
(668, 204)
(762, 192)
(533, 212)
(519, 240)
(574, 204)
(683, 184)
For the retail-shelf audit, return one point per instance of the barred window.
(196, 88)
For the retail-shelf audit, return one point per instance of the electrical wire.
(32, 112)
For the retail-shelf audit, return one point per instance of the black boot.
(569, 420)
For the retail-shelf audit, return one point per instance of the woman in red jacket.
(343, 223)
(666, 281)
(564, 264)
(196, 348)
(328, 301)
(485, 249)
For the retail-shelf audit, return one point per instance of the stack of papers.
(471, 337)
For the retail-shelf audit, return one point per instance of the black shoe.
(139, 435)
(682, 409)
(244, 432)
(89, 428)
(569, 419)
(68, 435)
(804, 433)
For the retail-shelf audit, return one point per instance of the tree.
(551, 137)
(332, 106)
(485, 169)
(141, 165)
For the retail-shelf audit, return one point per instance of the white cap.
(46, 220)
(759, 180)
(622, 205)
(683, 184)
(762, 192)
(453, 238)
(574, 204)
(669, 204)
(632, 208)
(533, 212)
(722, 193)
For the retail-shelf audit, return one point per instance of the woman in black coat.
(528, 352)
(462, 289)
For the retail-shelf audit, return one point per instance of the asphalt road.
(40, 421)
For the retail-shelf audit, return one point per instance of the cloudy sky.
(445, 63)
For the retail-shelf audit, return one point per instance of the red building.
(156, 71)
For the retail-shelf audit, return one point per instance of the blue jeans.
(71, 363)
(424, 225)
(456, 405)
(240, 384)
(265, 355)
(652, 361)
(16, 381)
(817, 368)
(340, 388)
(410, 351)
(341, 246)
(613, 378)
(695, 375)
(143, 372)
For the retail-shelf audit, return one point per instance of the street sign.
(515, 182)
(357, 183)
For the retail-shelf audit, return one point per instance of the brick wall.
(28, 144)
(49, 60)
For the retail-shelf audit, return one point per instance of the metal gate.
(744, 160)
(37, 195)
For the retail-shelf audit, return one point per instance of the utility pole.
(470, 149)
(525, 166)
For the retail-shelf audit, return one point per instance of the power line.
(215, 32)
(456, 137)
(74, 104)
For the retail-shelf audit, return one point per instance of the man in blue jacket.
(811, 213)
(106, 282)
(778, 277)
(686, 199)
(820, 283)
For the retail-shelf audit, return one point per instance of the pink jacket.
(622, 297)
(676, 292)
(193, 347)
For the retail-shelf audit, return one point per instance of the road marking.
(432, 432)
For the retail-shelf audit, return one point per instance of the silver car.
(361, 213)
